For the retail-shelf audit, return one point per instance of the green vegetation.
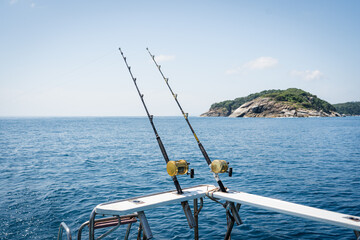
(348, 108)
(302, 99)
(296, 97)
(231, 105)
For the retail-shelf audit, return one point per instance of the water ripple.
(59, 169)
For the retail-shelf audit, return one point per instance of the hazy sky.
(61, 58)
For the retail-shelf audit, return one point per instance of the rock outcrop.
(268, 107)
(292, 102)
(218, 112)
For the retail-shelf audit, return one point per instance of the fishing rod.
(173, 168)
(216, 166)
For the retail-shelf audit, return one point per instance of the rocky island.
(291, 102)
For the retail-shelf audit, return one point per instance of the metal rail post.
(67, 230)
(196, 217)
(357, 234)
(145, 225)
(230, 222)
(92, 225)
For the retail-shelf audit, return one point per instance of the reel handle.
(230, 172)
(192, 173)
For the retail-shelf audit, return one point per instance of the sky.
(61, 58)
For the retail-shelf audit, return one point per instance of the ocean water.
(59, 169)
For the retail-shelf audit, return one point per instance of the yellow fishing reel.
(179, 167)
(221, 166)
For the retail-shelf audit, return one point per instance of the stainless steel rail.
(114, 222)
(67, 230)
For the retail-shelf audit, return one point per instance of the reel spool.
(179, 167)
(221, 166)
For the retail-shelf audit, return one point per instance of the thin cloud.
(307, 75)
(233, 71)
(257, 64)
(12, 2)
(164, 58)
(261, 63)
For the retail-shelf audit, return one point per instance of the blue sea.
(59, 169)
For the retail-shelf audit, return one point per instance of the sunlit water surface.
(59, 169)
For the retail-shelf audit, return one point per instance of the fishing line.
(185, 115)
(216, 166)
(173, 168)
